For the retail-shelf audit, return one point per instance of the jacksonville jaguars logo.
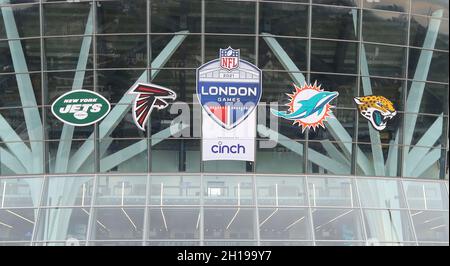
(377, 109)
(309, 106)
(149, 96)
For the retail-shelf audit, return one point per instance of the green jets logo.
(80, 107)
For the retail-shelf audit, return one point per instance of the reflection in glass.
(64, 224)
(17, 224)
(175, 190)
(332, 191)
(285, 19)
(332, 56)
(124, 155)
(68, 191)
(229, 17)
(387, 226)
(386, 61)
(228, 190)
(20, 192)
(175, 15)
(281, 191)
(118, 223)
(229, 223)
(122, 16)
(121, 190)
(384, 27)
(63, 53)
(65, 18)
(337, 224)
(430, 225)
(380, 193)
(426, 195)
(174, 223)
(334, 23)
(122, 51)
(284, 224)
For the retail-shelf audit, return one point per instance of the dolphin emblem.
(149, 96)
(315, 104)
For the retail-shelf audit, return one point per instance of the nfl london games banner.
(229, 90)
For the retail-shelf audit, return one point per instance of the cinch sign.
(229, 90)
(80, 107)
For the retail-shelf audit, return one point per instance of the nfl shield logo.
(229, 88)
(229, 58)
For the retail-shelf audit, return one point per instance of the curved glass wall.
(398, 49)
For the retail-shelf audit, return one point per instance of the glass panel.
(334, 23)
(172, 243)
(122, 51)
(68, 191)
(339, 243)
(426, 195)
(337, 224)
(386, 61)
(387, 226)
(337, 2)
(326, 157)
(228, 190)
(436, 71)
(380, 193)
(181, 81)
(285, 19)
(20, 192)
(175, 190)
(245, 43)
(230, 17)
(115, 243)
(286, 243)
(279, 158)
(121, 190)
(281, 191)
(284, 224)
(384, 27)
(345, 85)
(229, 223)
(295, 48)
(114, 84)
(85, 164)
(367, 159)
(170, 223)
(31, 50)
(229, 243)
(420, 27)
(122, 16)
(345, 117)
(391, 5)
(331, 56)
(425, 162)
(118, 223)
(17, 224)
(187, 55)
(430, 225)
(426, 7)
(330, 191)
(64, 224)
(392, 89)
(65, 18)
(175, 15)
(172, 155)
(26, 19)
(422, 135)
(63, 53)
(9, 89)
(16, 119)
(227, 166)
(434, 97)
(60, 82)
(54, 128)
(123, 156)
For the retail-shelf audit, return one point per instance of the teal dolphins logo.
(309, 106)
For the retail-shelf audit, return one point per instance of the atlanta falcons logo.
(149, 96)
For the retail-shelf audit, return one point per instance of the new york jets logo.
(80, 107)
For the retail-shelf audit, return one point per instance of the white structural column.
(26, 92)
(63, 153)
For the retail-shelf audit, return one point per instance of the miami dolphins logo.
(309, 106)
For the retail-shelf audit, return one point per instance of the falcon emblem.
(148, 97)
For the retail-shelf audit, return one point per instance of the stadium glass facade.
(113, 184)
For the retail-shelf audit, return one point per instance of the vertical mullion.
(202, 44)
(308, 80)
(255, 200)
